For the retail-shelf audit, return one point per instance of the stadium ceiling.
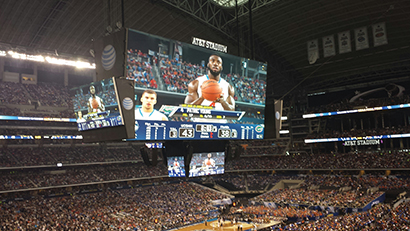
(277, 33)
(230, 3)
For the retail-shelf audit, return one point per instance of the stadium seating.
(139, 69)
(152, 207)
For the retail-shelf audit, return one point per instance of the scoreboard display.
(183, 92)
(174, 130)
(201, 125)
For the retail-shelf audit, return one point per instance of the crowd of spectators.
(244, 181)
(13, 93)
(397, 218)
(10, 111)
(258, 181)
(25, 179)
(351, 160)
(142, 208)
(39, 132)
(69, 113)
(157, 203)
(360, 103)
(35, 124)
(39, 95)
(240, 181)
(139, 69)
(177, 74)
(357, 182)
(37, 156)
(252, 113)
(261, 212)
(336, 198)
(260, 151)
(264, 147)
(229, 180)
(21, 142)
(249, 90)
(34, 156)
(49, 94)
(381, 217)
(174, 205)
(46, 94)
(180, 119)
(262, 143)
(360, 132)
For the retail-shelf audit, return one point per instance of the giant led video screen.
(188, 92)
(207, 163)
(96, 105)
(176, 166)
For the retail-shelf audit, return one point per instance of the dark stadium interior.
(336, 156)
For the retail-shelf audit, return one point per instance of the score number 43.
(186, 133)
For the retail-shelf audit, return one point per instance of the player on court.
(95, 103)
(226, 100)
(147, 111)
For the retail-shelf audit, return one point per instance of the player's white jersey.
(176, 165)
(100, 104)
(208, 163)
(81, 120)
(225, 91)
(154, 115)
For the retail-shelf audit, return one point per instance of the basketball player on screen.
(95, 103)
(176, 166)
(147, 111)
(176, 163)
(225, 101)
(208, 164)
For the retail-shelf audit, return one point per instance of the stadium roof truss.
(278, 33)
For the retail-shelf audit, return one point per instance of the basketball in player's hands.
(211, 90)
(94, 103)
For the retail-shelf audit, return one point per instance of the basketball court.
(213, 225)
